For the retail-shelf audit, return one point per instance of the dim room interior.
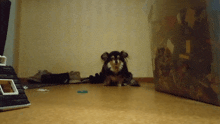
(61, 36)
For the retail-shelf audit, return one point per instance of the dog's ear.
(104, 56)
(124, 54)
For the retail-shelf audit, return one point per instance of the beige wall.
(68, 35)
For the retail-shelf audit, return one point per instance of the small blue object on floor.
(83, 91)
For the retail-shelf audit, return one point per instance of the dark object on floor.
(114, 71)
(97, 79)
(37, 77)
(74, 77)
(47, 77)
(5, 6)
(12, 95)
(62, 78)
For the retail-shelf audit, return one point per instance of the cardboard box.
(186, 53)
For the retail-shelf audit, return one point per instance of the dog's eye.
(118, 56)
(112, 57)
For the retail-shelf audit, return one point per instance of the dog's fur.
(115, 69)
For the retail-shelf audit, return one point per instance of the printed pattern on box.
(184, 55)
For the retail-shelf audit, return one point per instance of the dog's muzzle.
(115, 65)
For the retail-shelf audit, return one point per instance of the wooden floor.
(109, 105)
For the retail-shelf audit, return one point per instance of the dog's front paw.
(107, 85)
(134, 83)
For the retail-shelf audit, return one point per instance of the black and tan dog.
(115, 71)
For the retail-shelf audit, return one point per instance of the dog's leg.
(120, 81)
(107, 81)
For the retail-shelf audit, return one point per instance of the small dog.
(115, 69)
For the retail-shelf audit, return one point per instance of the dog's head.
(115, 60)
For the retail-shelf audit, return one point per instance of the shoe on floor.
(74, 77)
(37, 77)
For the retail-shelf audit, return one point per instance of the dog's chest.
(116, 78)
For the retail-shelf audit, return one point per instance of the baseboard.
(139, 79)
(144, 79)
